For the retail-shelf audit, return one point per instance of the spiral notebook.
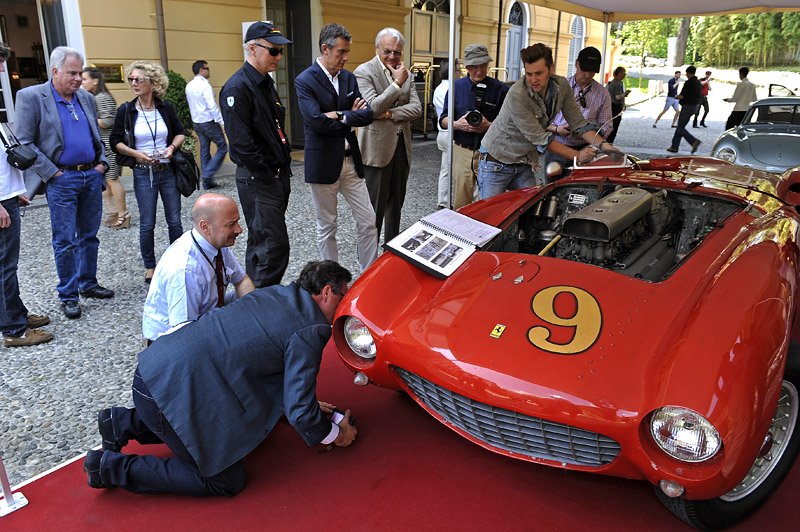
(442, 241)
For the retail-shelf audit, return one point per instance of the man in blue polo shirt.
(478, 99)
(58, 119)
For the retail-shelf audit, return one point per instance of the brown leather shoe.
(37, 320)
(30, 337)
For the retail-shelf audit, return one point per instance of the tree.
(680, 44)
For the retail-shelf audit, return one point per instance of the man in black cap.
(476, 92)
(593, 99)
(255, 117)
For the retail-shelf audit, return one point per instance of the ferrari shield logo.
(497, 332)
(230, 101)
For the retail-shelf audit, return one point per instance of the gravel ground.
(49, 394)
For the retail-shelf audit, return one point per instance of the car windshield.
(774, 114)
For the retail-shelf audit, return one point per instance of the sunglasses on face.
(274, 52)
(132, 80)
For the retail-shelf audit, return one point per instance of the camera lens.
(474, 118)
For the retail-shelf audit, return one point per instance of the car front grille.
(511, 431)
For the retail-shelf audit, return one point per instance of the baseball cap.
(589, 59)
(265, 30)
(476, 54)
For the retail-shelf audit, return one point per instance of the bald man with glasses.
(388, 88)
(254, 117)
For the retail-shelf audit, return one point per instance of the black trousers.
(704, 105)
(616, 112)
(387, 191)
(735, 119)
(264, 203)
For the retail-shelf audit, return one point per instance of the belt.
(487, 157)
(348, 153)
(77, 167)
(157, 167)
(465, 147)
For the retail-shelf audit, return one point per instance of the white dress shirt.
(184, 285)
(200, 97)
(438, 101)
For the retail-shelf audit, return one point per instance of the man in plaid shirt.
(593, 99)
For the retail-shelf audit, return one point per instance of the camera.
(474, 118)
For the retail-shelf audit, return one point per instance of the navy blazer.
(224, 381)
(324, 153)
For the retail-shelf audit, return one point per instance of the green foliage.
(176, 95)
(647, 37)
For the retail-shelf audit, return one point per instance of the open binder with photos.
(440, 242)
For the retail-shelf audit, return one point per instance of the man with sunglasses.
(254, 117)
(593, 99)
(58, 119)
(388, 88)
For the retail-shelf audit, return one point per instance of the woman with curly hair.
(117, 215)
(147, 132)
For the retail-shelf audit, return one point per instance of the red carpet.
(405, 471)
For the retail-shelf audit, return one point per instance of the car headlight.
(684, 434)
(727, 154)
(359, 338)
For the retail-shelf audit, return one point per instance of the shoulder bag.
(187, 174)
(19, 156)
(128, 139)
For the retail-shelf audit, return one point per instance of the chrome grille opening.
(511, 431)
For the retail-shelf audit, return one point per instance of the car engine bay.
(635, 231)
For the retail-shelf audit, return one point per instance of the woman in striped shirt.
(114, 194)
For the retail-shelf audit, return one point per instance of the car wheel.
(778, 454)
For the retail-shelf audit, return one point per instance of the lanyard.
(155, 125)
(203, 253)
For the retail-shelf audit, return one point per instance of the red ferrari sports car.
(636, 320)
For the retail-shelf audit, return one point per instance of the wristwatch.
(339, 115)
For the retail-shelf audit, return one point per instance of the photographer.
(478, 100)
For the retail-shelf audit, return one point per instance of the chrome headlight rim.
(727, 153)
(358, 338)
(670, 418)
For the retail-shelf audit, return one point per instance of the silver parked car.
(768, 138)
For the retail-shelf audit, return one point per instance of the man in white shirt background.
(207, 122)
(192, 277)
(442, 140)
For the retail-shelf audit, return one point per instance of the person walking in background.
(616, 88)
(117, 215)
(480, 93)
(255, 119)
(193, 275)
(388, 87)
(207, 121)
(156, 134)
(594, 102)
(17, 326)
(332, 106)
(58, 120)
(442, 139)
(672, 99)
(690, 101)
(705, 86)
(743, 96)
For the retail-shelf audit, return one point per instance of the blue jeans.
(495, 177)
(13, 314)
(687, 111)
(147, 186)
(147, 424)
(207, 133)
(76, 206)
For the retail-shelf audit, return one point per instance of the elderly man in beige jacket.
(388, 88)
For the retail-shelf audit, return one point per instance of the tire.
(734, 506)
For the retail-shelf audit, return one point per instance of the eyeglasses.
(138, 80)
(581, 98)
(71, 109)
(274, 52)
(395, 53)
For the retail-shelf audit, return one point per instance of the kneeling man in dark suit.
(214, 390)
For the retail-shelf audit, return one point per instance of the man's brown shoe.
(37, 320)
(30, 337)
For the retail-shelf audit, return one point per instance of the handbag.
(19, 156)
(187, 173)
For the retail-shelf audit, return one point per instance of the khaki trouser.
(465, 168)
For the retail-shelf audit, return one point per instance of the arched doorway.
(516, 39)
(578, 31)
